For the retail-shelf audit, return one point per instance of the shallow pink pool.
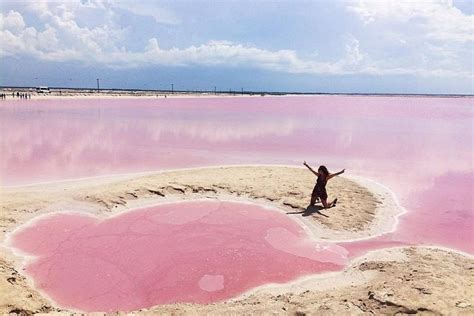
(196, 252)
(421, 148)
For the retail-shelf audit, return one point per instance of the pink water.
(420, 148)
(188, 252)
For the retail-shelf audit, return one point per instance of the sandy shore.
(387, 281)
(91, 93)
(365, 209)
(110, 94)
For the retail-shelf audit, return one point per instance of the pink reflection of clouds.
(67, 139)
(76, 142)
(223, 131)
(196, 252)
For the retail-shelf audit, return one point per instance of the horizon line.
(236, 92)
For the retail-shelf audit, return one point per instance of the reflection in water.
(406, 143)
(74, 142)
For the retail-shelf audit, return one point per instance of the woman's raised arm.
(332, 175)
(311, 169)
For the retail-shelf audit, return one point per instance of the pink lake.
(421, 148)
(198, 252)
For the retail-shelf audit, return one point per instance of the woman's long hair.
(324, 170)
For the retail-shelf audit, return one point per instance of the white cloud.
(439, 19)
(61, 38)
(436, 36)
(235, 54)
(12, 21)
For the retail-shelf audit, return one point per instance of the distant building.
(43, 90)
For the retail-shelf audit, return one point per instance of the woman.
(319, 190)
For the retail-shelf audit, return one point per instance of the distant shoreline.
(61, 92)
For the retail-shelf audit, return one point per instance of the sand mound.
(362, 204)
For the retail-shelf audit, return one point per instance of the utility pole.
(172, 88)
(98, 87)
(215, 90)
(242, 91)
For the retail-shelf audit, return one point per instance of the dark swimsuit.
(320, 189)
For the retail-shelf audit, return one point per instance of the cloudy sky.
(320, 46)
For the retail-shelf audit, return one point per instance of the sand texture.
(286, 188)
(397, 280)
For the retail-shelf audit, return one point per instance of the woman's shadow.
(311, 209)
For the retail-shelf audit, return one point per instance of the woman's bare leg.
(326, 205)
(314, 199)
